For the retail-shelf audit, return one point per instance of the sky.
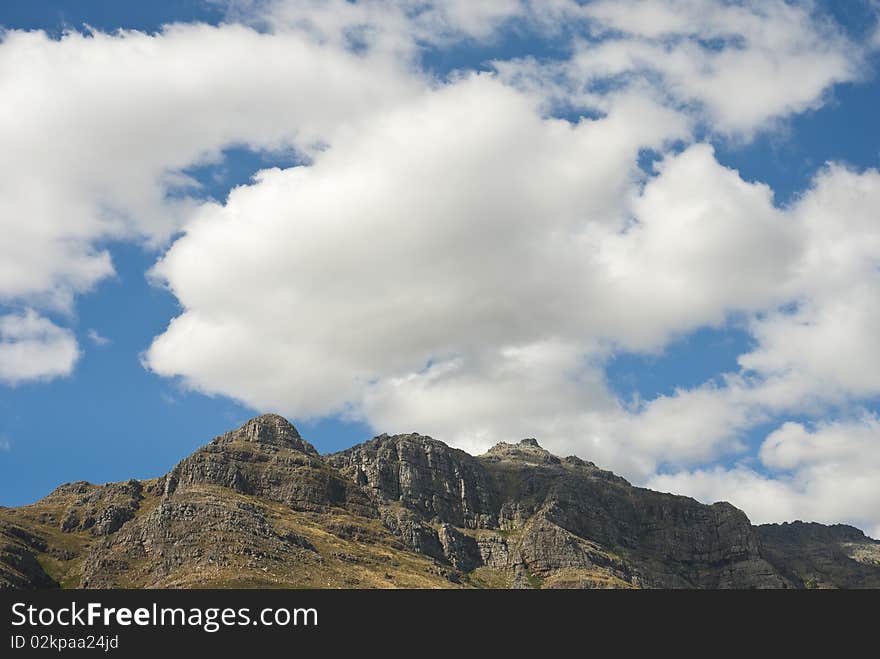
(645, 232)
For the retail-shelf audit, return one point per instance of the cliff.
(260, 507)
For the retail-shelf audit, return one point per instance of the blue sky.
(111, 419)
(113, 416)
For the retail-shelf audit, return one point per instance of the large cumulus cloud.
(453, 258)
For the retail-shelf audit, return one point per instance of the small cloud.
(34, 348)
(5, 445)
(97, 338)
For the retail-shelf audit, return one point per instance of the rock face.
(101, 510)
(258, 506)
(560, 515)
(424, 475)
(194, 533)
(19, 567)
(267, 458)
(818, 556)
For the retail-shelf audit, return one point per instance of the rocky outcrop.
(819, 556)
(437, 482)
(19, 567)
(459, 548)
(415, 534)
(496, 551)
(677, 541)
(662, 540)
(526, 451)
(259, 507)
(547, 548)
(564, 511)
(268, 430)
(267, 458)
(99, 509)
(191, 539)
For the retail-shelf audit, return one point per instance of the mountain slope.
(259, 507)
(819, 556)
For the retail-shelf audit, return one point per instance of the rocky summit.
(260, 507)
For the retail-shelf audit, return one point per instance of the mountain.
(259, 507)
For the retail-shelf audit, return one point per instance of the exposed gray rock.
(546, 547)
(438, 482)
(574, 516)
(269, 430)
(415, 534)
(100, 509)
(679, 541)
(19, 567)
(495, 552)
(258, 505)
(190, 534)
(819, 556)
(267, 458)
(526, 450)
(459, 549)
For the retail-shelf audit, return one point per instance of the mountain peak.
(526, 450)
(250, 509)
(273, 430)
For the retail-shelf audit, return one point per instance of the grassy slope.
(353, 551)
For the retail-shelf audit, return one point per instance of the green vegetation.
(534, 581)
(490, 578)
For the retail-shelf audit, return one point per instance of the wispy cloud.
(97, 338)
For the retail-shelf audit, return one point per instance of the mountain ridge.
(260, 507)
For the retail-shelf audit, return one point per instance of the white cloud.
(97, 338)
(34, 348)
(826, 474)
(830, 339)
(118, 117)
(443, 228)
(558, 394)
(697, 224)
(470, 281)
(105, 122)
(402, 26)
(817, 359)
(452, 260)
(737, 66)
